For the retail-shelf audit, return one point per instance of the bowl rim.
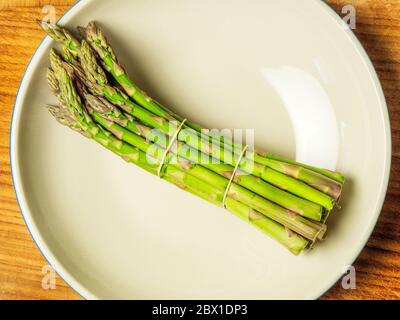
(27, 215)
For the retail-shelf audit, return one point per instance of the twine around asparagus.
(171, 144)
(233, 175)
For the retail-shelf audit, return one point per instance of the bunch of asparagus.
(287, 200)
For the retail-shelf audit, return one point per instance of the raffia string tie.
(234, 175)
(171, 144)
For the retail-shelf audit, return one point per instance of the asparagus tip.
(52, 81)
(81, 31)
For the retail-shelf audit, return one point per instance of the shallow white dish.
(288, 68)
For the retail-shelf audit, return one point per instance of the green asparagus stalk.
(70, 58)
(335, 176)
(61, 35)
(72, 114)
(312, 178)
(94, 72)
(99, 42)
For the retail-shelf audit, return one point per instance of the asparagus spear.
(61, 35)
(94, 72)
(99, 42)
(335, 176)
(72, 114)
(312, 178)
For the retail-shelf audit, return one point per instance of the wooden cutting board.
(22, 267)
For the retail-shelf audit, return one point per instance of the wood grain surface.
(21, 264)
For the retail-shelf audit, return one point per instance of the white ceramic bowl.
(289, 69)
